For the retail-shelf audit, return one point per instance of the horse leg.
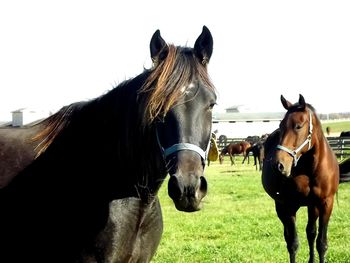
(245, 157)
(311, 230)
(261, 158)
(255, 163)
(232, 158)
(288, 216)
(325, 213)
(260, 164)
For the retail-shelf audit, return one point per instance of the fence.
(340, 146)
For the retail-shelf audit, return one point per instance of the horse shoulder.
(326, 171)
(132, 233)
(17, 151)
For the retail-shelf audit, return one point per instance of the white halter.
(184, 146)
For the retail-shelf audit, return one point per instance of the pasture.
(238, 223)
(336, 127)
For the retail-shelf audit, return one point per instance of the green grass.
(336, 126)
(238, 223)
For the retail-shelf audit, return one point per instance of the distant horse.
(252, 139)
(345, 134)
(82, 185)
(257, 149)
(232, 149)
(300, 169)
(222, 141)
(258, 154)
(344, 169)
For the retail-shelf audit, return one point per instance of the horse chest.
(293, 189)
(302, 185)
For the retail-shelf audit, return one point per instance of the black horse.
(82, 185)
(344, 170)
(258, 153)
(345, 134)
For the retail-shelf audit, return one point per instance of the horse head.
(183, 128)
(296, 131)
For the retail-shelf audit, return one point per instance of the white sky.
(53, 53)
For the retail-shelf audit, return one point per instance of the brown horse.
(300, 169)
(234, 148)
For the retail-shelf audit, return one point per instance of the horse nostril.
(280, 167)
(175, 188)
(203, 185)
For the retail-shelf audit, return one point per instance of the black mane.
(110, 124)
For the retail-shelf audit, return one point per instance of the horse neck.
(319, 141)
(132, 144)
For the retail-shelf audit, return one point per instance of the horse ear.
(203, 46)
(286, 104)
(302, 101)
(158, 47)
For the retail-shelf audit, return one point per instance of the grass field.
(336, 127)
(238, 223)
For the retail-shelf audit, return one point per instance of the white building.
(25, 116)
(244, 124)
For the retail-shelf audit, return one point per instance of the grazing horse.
(300, 169)
(232, 149)
(81, 186)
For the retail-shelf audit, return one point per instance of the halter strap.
(184, 146)
(294, 153)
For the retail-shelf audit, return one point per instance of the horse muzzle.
(283, 163)
(187, 185)
(283, 168)
(187, 191)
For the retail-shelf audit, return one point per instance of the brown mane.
(160, 91)
(165, 81)
(53, 126)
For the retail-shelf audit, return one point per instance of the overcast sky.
(53, 53)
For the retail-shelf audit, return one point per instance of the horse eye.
(298, 126)
(211, 106)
